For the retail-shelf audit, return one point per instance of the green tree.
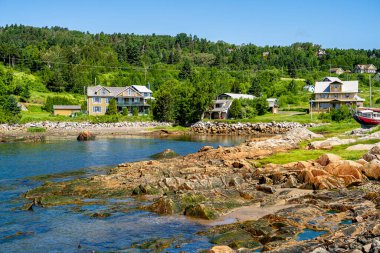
(112, 107)
(236, 109)
(164, 109)
(186, 71)
(10, 106)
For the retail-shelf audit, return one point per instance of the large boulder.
(167, 153)
(348, 170)
(85, 136)
(320, 179)
(221, 249)
(372, 169)
(372, 154)
(325, 159)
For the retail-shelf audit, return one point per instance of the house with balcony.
(130, 97)
(333, 93)
(365, 68)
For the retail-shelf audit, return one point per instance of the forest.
(185, 72)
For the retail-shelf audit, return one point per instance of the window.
(324, 96)
(136, 100)
(108, 100)
(129, 92)
(97, 100)
(347, 95)
(96, 109)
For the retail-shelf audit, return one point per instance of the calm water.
(61, 229)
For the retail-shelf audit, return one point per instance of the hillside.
(186, 70)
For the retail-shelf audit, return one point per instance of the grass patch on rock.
(303, 154)
(36, 130)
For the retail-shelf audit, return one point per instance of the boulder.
(85, 136)
(372, 154)
(200, 211)
(205, 148)
(372, 169)
(167, 153)
(266, 189)
(325, 159)
(221, 249)
(348, 170)
(163, 206)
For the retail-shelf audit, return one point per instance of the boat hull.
(366, 121)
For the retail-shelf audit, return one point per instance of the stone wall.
(246, 128)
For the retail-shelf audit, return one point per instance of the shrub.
(340, 114)
(36, 129)
(56, 100)
(135, 112)
(125, 111)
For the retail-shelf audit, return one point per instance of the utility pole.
(370, 92)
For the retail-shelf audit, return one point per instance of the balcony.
(123, 104)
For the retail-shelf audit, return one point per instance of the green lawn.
(335, 128)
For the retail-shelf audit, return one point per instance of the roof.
(336, 69)
(365, 66)
(331, 79)
(271, 99)
(141, 88)
(66, 107)
(347, 86)
(112, 91)
(238, 96)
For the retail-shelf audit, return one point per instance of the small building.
(222, 104)
(337, 71)
(308, 88)
(365, 68)
(333, 93)
(66, 110)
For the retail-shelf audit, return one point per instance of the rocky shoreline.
(19, 132)
(246, 128)
(335, 200)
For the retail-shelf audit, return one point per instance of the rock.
(330, 142)
(375, 246)
(200, 211)
(167, 153)
(360, 147)
(221, 249)
(291, 182)
(372, 154)
(356, 251)
(266, 189)
(367, 247)
(376, 230)
(325, 159)
(319, 250)
(348, 170)
(265, 180)
(85, 136)
(205, 148)
(372, 169)
(163, 206)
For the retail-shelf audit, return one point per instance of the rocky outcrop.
(246, 128)
(329, 143)
(167, 153)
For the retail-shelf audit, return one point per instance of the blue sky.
(331, 23)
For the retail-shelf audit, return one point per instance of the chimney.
(148, 85)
